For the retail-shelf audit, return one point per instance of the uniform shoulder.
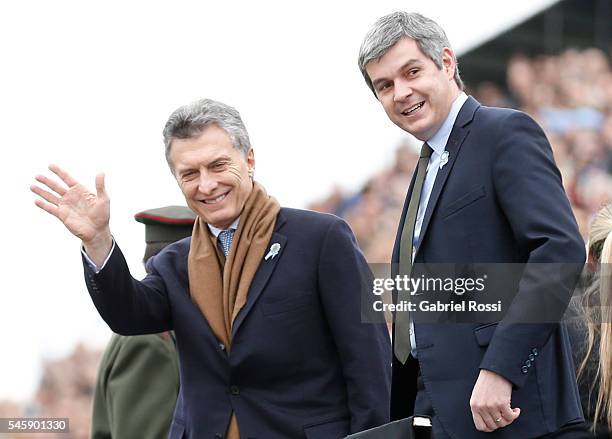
(175, 250)
(147, 345)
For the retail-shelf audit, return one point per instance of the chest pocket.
(463, 201)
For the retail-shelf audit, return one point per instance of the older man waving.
(264, 300)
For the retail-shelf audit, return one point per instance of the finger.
(66, 178)
(489, 421)
(510, 415)
(479, 422)
(50, 208)
(500, 421)
(52, 184)
(48, 196)
(100, 189)
(507, 416)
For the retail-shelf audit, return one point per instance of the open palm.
(85, 214)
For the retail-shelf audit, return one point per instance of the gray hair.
(388, 30)
(190, 120)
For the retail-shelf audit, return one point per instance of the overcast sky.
(89, 86)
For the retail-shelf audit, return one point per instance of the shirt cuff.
(91, 264)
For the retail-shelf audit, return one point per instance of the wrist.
(102, 242)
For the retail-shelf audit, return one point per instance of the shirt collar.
(215, 231)
(438, 140)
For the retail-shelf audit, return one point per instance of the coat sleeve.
(530, 193)
(363, 348)
(129, 306)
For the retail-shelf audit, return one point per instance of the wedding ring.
(498, 419)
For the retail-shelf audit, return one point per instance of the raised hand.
(86, 215)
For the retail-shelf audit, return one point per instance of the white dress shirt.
(215, 231)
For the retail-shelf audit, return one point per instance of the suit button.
(531, 357)
(528, 363)
(524, 369)
(234, 390)
(221, 346)
(534, 351)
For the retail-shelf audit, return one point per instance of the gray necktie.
(225, 240)
(402, 318)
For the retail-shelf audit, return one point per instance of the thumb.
(516, 412)
(100, 189)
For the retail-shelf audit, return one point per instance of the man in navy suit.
(487, 191)
(285, 357)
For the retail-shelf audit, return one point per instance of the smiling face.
(415, 93)
(213, 175)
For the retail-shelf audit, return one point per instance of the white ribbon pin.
(274, 249)
(444, 159)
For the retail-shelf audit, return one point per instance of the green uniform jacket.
(136, 388)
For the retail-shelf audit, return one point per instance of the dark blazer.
(499, 199)
(302, 365)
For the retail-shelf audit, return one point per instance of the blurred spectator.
(606, 140)
(491, 95)
(65, 391)
(520, 79)
(591, 331)
(10, 409)
(583, 220)
(594, 189)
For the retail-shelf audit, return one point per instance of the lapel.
(265, 270)
(453, 145)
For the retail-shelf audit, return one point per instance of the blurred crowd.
(569, 95)
(65, 390)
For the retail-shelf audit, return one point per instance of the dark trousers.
(423, 407)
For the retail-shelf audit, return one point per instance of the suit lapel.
(453, 145)
(265, 270)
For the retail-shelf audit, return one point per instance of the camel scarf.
(220, 290)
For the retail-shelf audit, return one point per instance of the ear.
(448, 62)
(251, 160)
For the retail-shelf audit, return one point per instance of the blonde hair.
(598, 313)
